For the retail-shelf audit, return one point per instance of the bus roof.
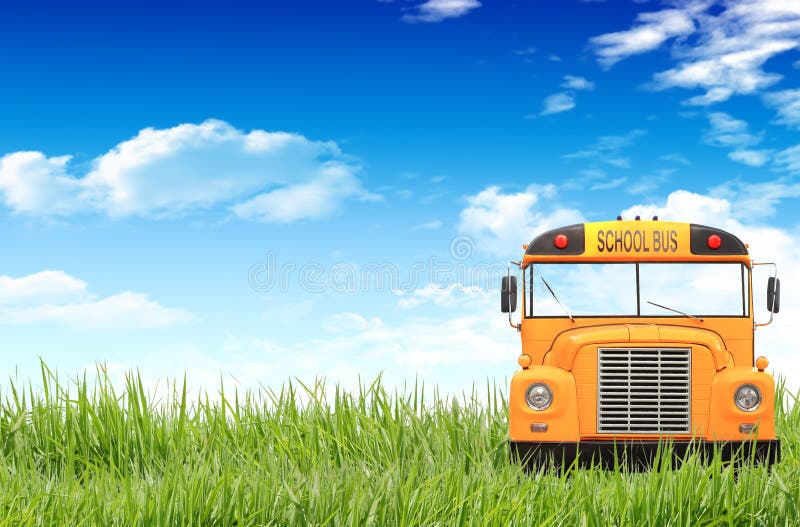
(636, 241)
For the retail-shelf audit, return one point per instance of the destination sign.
(637, 241)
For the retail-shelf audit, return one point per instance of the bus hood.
(567, 344)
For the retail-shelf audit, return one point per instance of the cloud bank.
(54, 297)
(275, 177)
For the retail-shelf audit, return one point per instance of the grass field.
(78, 453)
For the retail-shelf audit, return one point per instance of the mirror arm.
(771, 314)
(767, 323)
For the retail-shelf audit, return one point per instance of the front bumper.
(641, 454)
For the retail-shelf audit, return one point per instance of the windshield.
(631, 289)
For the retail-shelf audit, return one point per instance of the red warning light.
(714, 241)
(561, 241)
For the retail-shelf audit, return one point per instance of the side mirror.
(773, 295)
(508, 294)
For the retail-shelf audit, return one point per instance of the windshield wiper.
(556, 298)
(676, 311)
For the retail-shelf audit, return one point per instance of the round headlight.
(747, 397)
(539, 396)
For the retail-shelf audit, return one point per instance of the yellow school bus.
(635, 332)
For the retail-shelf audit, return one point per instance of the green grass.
(78, 453)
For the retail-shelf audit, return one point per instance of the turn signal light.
(714, 241)
(561, 241)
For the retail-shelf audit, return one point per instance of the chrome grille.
(643, 390)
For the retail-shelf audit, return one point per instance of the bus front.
(634, 332)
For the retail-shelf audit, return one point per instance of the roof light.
(714, 241)
(561, 241)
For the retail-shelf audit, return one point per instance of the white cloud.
(607, 185)
(712, 96)
(557, 103)
(753, 158)
(565, 101)
(728, 132)
(346, 322)
(608, 149)
(788, 160)
(648, 183)
(721, 47)
(453, 295)
(787, 104)
(685, 206)
(33, 183)
(651, 30)
(44, 286)
(573, 82)
(739, 72)
(593, 173)
(317, 198)
(500, 223)
(751, 201)
(619, 162)
(54, 297)
(553, 58)
(676, 158)
(438, 10)
(190, 167)
(123, 311)
(592, 178)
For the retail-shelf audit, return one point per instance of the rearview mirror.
(773, 295)
(508, 294)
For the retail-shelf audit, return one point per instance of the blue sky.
(157, 158)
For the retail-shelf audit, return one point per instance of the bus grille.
(643, 390)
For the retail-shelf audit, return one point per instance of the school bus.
(635, 333)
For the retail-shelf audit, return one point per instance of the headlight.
(747, 397)
(539, 396)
